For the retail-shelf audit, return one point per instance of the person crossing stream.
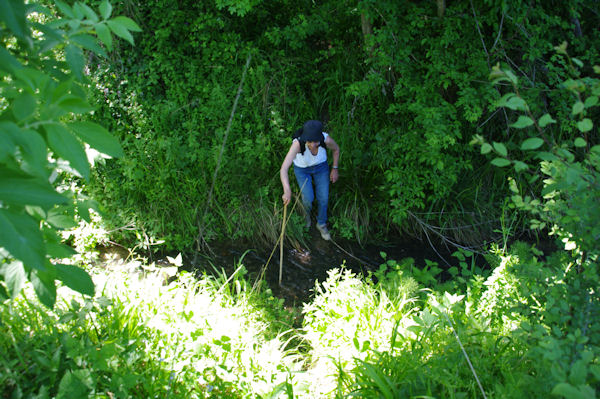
(308, 154)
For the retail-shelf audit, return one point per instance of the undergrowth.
(526, 328)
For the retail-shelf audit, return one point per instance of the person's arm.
(283, 172)
(335, 149)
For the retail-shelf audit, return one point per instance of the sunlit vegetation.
(525, 330)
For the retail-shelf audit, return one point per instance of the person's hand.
(286, 197)
(334, 175)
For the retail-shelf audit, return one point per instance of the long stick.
(200, 237)
(281, 243)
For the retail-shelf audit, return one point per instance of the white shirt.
(308, 159)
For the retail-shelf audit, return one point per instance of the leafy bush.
(44, 137)
(350, 315)
(140, 337)
(530, 329)
(402, 99)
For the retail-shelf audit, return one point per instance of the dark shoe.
(324, 232)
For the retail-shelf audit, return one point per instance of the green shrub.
(45, 139)
(141, 337)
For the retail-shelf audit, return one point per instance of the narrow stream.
(303, 267)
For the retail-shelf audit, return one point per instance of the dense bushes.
(402, 89)
(528, 327)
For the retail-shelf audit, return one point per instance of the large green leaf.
(585, 125)
(104, 35)
(500, 148)
(78, 11)
(23, 106)
(520, 166)
(88, 42)
(105, 9)
(83, 208)
(532, 143)
(89, 13)
(54, 246)
(577, 108)
(75, 59)
(512, 101)
(76, 384)
(97, 137)
(27, 191)
(62, 217)
(33, 147)
(22, 238)
(75, 278)
(14, 277)
(68, 147)
(8, 62)
(591, 101)
(61, 221)
(500, 162)
(64, 8)
(7, 146)
(59, 251)
(52, 38)
(44, 286)
(127, 23)
(31, 79)
(120, 30)
(486, 148)
(13, 15)
(522, 122)
(75, 104)
(33, 151)
(545, 120)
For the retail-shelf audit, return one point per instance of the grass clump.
(527, 328)
(351, 315)
(140, 337)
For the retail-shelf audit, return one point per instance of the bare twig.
(499, 33)
(427, 227)
(466, 356)
(281, 242)
(202, 226)
(480, 34)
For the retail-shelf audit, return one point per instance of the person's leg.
(304, 180)
(321, 177)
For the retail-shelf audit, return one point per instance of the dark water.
(302, 267)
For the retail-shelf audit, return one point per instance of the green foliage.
(140, 337)
(550, 304)
(528, 330)
(351, 315)
(402, 99)
(565, 203)
(43, 92)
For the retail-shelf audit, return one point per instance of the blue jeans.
(319, 174)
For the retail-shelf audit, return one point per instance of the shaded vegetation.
(402, 89)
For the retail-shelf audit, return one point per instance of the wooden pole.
(281, 242)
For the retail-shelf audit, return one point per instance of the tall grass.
(141, 337)
(350, 316)
(526, 330)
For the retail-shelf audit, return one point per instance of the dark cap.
(312, 131)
